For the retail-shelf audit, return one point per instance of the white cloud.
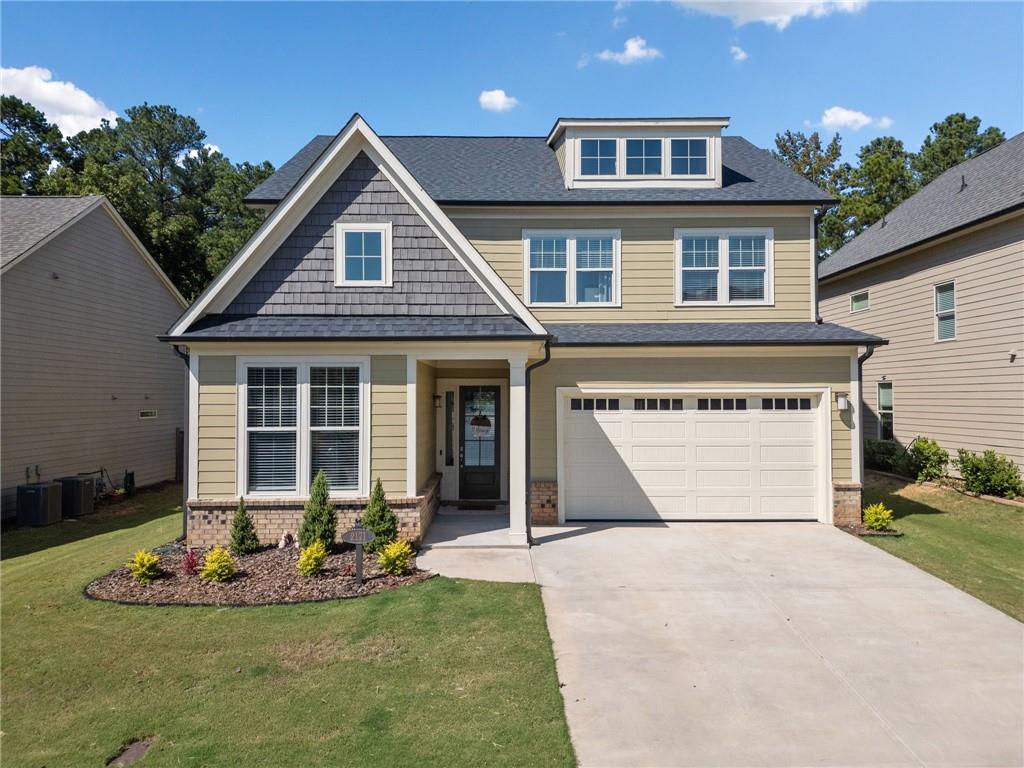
(835, 118)
(618, 21)
(210, 148)
(778, 13)
(620, 5)
(498, 101)
(738, 54)
(633, 51)
(64, 103)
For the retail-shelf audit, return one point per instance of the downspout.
(529, 418)
(185, 457)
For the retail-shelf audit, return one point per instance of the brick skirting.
(209, 520)
(544, 502)
(846, 504)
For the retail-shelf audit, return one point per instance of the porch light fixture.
(842, 401)
(437, 401)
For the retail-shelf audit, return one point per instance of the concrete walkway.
(474, 545)
(792, 644)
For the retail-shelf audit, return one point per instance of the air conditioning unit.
(39, 504)
(77, 493)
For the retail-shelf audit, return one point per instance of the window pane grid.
(643, 157)
(689, 157)
(363, 255)
(334, 425)
(571, 270)
(597, 157)
(271, 411)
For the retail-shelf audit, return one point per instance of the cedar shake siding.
(298, 279)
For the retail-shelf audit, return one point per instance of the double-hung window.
(689, 157)
(598, 157)
(723, 267)
(362, 254)
(945, 312)
(334, 416)
(885, 411)
(643, 157)
(572, 268)
(272, 428)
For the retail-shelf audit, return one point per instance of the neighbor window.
(271, 426)
(643, 157)
(885, 423)
(945, 311)
(362, 254)
(598, 157)
(860, 301)
(334, 413)
(689, 157)
(572, 268)
(727, 267)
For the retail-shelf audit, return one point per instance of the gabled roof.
(482, 170)
(706, 334)
(986, 186)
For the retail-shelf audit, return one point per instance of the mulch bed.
(264, 578)
(860, 530)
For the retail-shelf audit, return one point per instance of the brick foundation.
(209, 520)
(544, 502)
(846, 504)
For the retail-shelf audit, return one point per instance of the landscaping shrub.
(218, 565)
(312, 559)
(190, 563)
(878, 517)
(394, 558)
(989, 473)
(145, 566)
(380, 519)
(926, 460)
(880, 454)
(318, 520)
(243, 532)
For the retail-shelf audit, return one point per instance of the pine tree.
(243, 533)
(318, 520)
(380, 519)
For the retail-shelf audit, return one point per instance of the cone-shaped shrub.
(243, 533)
(380, 519)
(318, 520)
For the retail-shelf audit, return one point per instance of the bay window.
(572, 268)
(722, 267)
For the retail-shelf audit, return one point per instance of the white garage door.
(713, 457)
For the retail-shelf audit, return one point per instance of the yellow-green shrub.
(145, 566)
(394, 558)
(878, 517)
(218, 565)
(312, 558)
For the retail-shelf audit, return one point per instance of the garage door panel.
(583, 428)
(670, 430)
(723, 506)
(787, 478)
(791, 507)
(657, 454)
(722, 454)
(803, 429)
(723, 478)
(660, 481)
(723, 430)
(787, 454)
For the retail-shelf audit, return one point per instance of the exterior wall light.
(842, 401)
(437, 401)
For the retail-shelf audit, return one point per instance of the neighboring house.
(85, 381)
(942, 277)
(616, 321)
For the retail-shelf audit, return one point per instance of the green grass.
(442, 673)
(975, 545)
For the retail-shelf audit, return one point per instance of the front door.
(479, 443)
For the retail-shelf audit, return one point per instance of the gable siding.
(966, 393)
(298, 279)
(81, 358)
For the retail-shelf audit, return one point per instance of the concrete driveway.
(781, 644)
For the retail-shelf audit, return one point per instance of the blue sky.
(262, 78)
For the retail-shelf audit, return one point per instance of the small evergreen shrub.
(394, 558)
(880, 454)
(190, 563)
(218, 565)
(878, 517)
(318, 520)
(926, 460)
(244, 540)
(312, 559)
(145, 566)
(989, 473)
(380, 519)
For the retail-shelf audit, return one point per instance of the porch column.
(517, 449)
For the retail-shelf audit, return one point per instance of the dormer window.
(643, 157)
(689, 157)
(597, 157)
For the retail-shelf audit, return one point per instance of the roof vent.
(963, 183)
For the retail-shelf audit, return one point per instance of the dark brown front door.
(479, 443)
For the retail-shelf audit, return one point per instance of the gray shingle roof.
(523, 169)
(24, 221)
(352, 328)
(984, 186)
(686, 334)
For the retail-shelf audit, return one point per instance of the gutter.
(529, 483)
(492, 338)
(185, 457)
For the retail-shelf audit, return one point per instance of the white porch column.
(410, 426)
(517, 449)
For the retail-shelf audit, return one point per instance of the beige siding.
(648, 259)
(833, 371)
(560, 150)
(388, 422)
(80, 320)
(966, 393)
(426, 424)
(218, 430)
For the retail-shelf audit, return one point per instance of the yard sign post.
(358, 536)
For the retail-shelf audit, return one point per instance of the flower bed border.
(1019, 503)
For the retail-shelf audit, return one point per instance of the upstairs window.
(598, 157)
(643, 157)
(689, 157)
(723, 267)
(549, 271)
(747, 263)
(945, 312)
(860, 301)
(572, 268)
(362, 254)
(700, 269)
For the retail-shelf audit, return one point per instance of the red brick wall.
(544, 502)
(846, 504)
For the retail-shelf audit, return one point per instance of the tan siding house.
(86, 383)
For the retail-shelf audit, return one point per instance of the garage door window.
(721, 404)
(658, 404)
(785, 404)
(594, 404)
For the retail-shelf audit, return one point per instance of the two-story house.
(616, 321)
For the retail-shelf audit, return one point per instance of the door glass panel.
(480, 422)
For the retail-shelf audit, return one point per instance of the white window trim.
(863, 309)
(626, 175)
(891, 411)
(340, 228)
(570, 266)
(667, 161)
(620, 160)
(303, 432)
(723, 235)
(953, 312)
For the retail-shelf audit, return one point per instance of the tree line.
(885, 174)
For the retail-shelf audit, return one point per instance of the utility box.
(77, 493)
(39, 504)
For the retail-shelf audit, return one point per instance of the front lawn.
(975, 545)
(442, 673)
